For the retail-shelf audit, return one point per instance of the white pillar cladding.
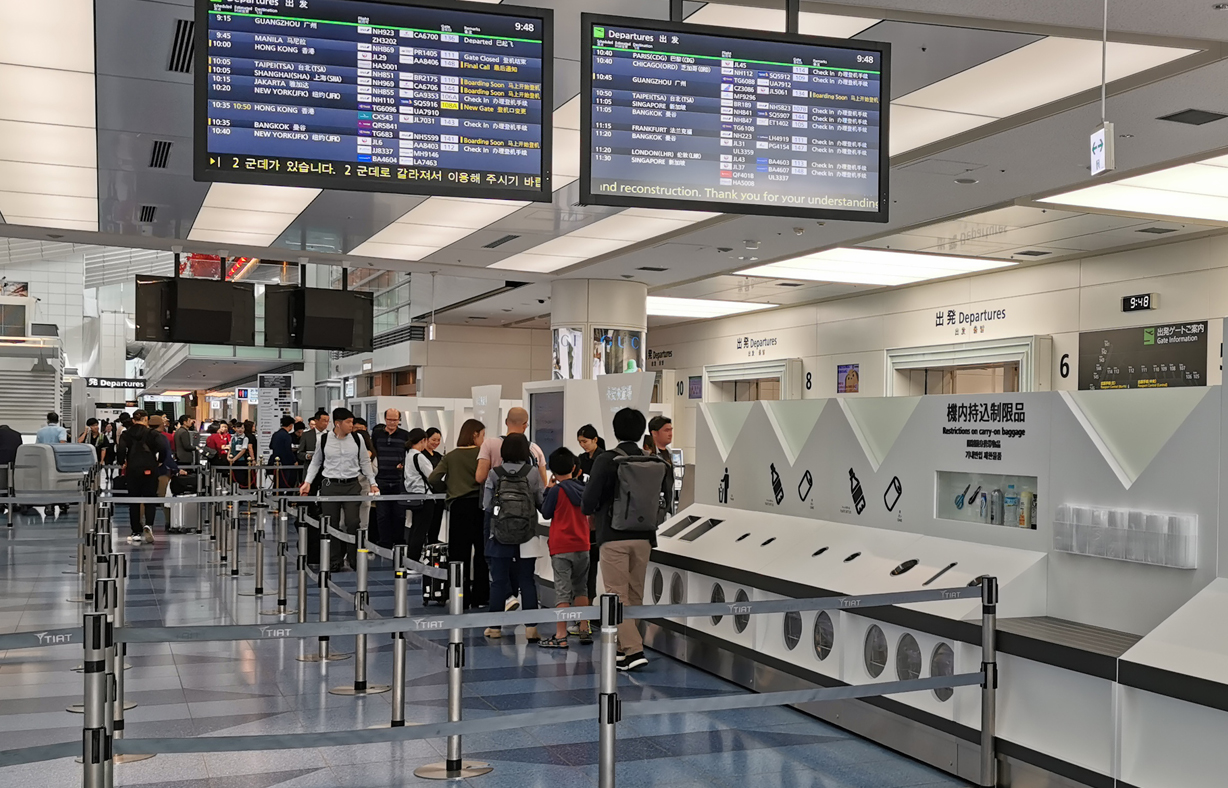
(598, 327)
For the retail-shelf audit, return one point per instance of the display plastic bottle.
(1010, 506)
(1025, 509)
(995, 507)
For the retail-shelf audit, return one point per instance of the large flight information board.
(703, 118)
(421, 98)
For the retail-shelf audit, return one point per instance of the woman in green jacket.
(457, 476)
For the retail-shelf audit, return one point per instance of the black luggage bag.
(433, 589)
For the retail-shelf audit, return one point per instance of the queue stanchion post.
(610, 710)
(11, 508)
(232, 544)
(400, 610)
(324, 654)
(989, 681)
(96, 746)
(283, 549)
(84, 526)
(361, 598)
(301, 567)
(455, 767)
(88, 566)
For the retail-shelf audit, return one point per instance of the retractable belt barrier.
(105, 634)
(104, 640)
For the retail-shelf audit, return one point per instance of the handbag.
(414, 506)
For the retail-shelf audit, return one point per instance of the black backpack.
(324, 442)
(639, 505)
(142, 452)
(515, 515)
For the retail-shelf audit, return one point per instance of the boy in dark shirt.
(568, 542)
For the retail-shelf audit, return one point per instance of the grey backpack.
(515, 516)
(639, 505)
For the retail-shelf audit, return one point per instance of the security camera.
(541, 300)
(799, 230)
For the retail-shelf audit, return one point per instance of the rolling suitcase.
(433, 589)
(185, 515)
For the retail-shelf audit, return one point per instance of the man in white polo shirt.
(340, 458)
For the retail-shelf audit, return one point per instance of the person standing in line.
(91, 432)
(456, 475)
(366, 511)
(311, 437)
(340, 459)
(183, 443)
(141, 454)
(417, 471)
(242, 453)
(626, 546)
(10, 442)
(517, 423)
(591, 444)
(433, 439)
(569, 543)
(513, 488)
(281, 452)
(390, 475)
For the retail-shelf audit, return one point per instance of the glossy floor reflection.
(206, 689)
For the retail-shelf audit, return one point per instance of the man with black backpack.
(627, 495)
(340, 458)
(141, 453)
(511, 496)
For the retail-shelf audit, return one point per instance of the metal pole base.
(72, 572)
(79, 708)
(79, 600)
(440, 771)
(250, 593)
(133, 758)
(125, 758)
(371, 689)
(315, 657)
(276, 612)
(81, 668)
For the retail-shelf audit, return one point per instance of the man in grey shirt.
(340, 458)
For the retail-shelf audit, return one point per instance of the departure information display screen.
(422, 98)
(686, 116)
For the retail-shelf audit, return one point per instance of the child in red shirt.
(569, 543)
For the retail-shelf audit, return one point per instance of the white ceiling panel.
(1036, 74)
(67, 24)
(1195, 178)
(1156, 202)
(535, 263)
(42, 144)
(913, 127)
(46, 95)
(394, 251)
(773, 19)
(12, 217)
(48, 179)
(49, 207)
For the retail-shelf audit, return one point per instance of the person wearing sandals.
(568, 542)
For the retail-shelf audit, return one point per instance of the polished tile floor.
(205, 689)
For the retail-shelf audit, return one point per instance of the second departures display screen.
(421, 98)
(683, 116)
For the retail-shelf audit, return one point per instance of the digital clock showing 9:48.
(1139, 303)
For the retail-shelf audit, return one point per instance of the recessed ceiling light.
(1188, 191)
(654, 268)
(1157, 230)
(1033, 253)
(965, 181)
(859, 265)
(663, 306)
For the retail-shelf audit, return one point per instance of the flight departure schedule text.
(781, 126)
(376, 96)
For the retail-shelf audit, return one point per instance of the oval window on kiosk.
(824, 635)
(875, 651)
(658, 586)
(741, 622)
(718, 597)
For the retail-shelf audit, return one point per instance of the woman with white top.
(420, 513)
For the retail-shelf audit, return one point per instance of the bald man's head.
(517, 420)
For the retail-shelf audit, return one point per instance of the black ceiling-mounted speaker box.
(318, 319)
(201, 311)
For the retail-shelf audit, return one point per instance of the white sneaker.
(512, 604)
(147, 535)
(134, 539)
